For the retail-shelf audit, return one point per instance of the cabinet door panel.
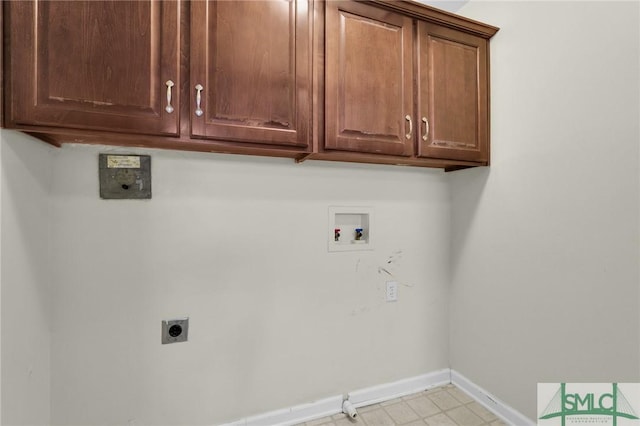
(369, 75)
(452, 94)
(95, 64)
(253, 59)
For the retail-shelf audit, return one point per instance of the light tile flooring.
(441, 406)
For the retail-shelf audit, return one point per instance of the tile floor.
(441, 406)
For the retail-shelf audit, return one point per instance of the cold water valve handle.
(358, 234)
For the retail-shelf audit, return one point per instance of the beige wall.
(25, 277)
(239, 245)
(545, 243)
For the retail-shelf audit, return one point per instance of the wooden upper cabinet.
(368, 79)
(251, 77)
(379, 81)
(97, 65)
(453, 94)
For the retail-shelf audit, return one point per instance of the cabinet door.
(453, 86)
(94, 64)
(368, 80)
(251, 61)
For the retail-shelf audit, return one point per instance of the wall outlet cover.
(392, 291)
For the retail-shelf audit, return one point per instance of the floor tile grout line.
(474, 417)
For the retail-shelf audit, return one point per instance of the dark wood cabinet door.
(251, 71)
(368, 80)
(453, 106)
(99, 65)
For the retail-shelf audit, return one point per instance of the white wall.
(545, 243)
(25, 277)
(239, 245)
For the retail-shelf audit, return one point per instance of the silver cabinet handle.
(426, 129)
(408, 118)
(170, 85)
(199, 88)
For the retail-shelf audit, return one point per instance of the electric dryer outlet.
(175, 330)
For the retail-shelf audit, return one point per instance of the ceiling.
(448, 5)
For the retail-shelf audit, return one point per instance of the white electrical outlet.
(392, 291)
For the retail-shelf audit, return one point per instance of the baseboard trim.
(506, 413)
(385, 392)
(294, 415)
(359, 398)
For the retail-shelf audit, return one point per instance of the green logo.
(613, 404)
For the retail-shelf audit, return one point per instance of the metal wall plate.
(125, 176)
(175, 330)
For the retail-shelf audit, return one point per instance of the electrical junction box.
(124, 176)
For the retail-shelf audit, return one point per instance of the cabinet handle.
(199, 88)
(426, 129)
(408, 118)
(170, 85)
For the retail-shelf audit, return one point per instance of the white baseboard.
(508, 414)
(294, 415)
(376, 394)
(381, 393)
(360, 398)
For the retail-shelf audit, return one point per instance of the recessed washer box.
(350, 228)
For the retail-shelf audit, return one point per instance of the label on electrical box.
(123, 162)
